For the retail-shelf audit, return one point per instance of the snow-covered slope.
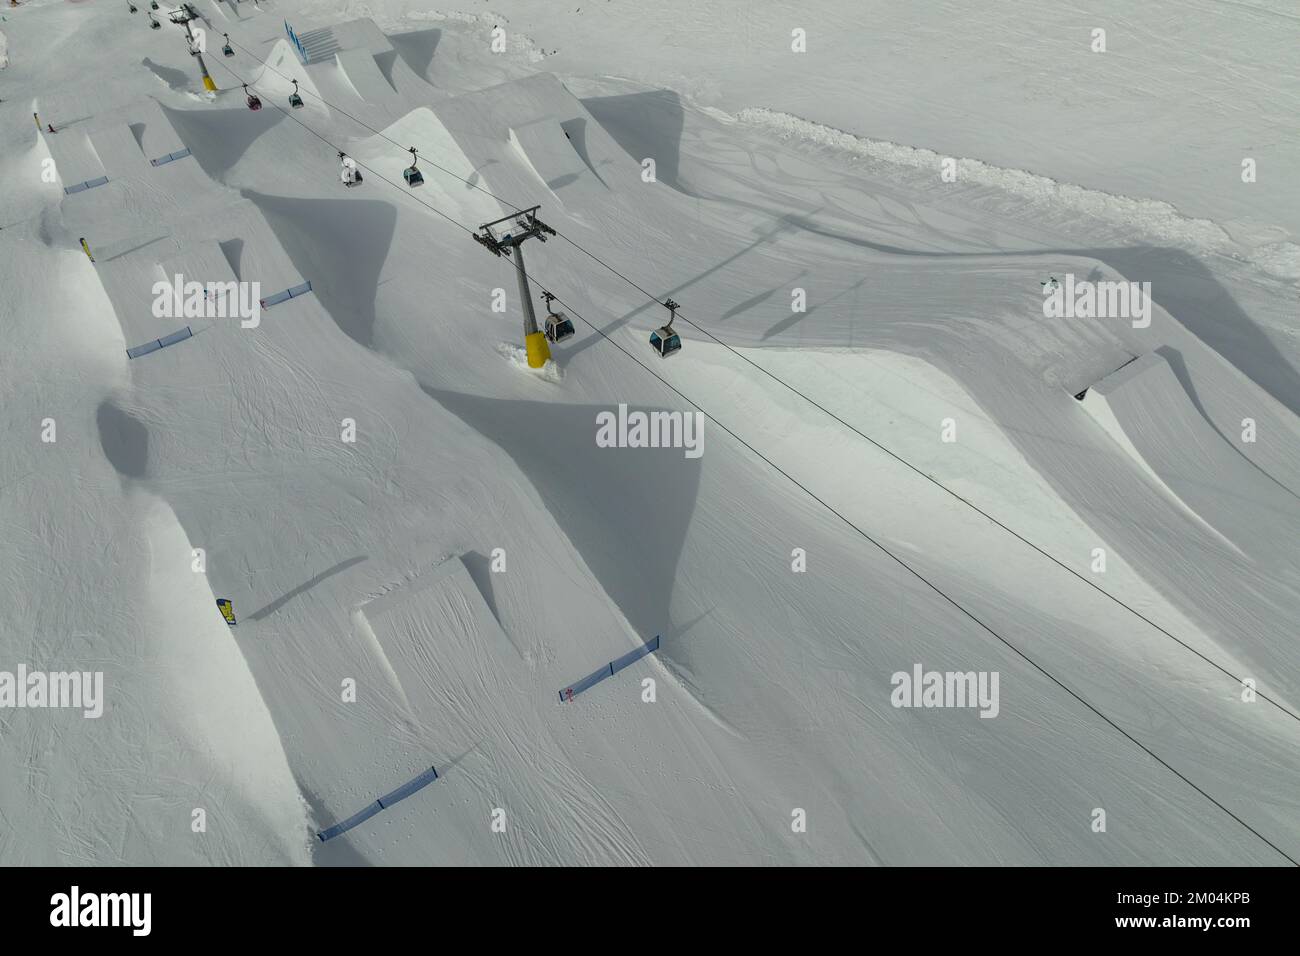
(425, 543)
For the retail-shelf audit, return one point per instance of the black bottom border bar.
(929, 905)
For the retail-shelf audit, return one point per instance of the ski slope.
(423, 540)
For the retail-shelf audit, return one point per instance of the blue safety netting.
(171, 157)
(383, 803)
(649, 648)
(286, 295)
(355, 820)
(179, 335)
(82, 187)
(406, 789)
(609, 670)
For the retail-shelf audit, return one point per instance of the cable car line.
(862, 435)
(938, 484)
(333, 146)
(658, 340)
(378, 132)
(830, 508)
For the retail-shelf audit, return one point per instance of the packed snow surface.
(905, 465)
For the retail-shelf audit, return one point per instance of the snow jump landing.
(1146, 410)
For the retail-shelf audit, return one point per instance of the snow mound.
(362, 72)
(1148, 412)
(547, 148)
(1151, 219)
(1281, 259)
(279, 71)
(445, 184)
(518, 357)
(521, 131)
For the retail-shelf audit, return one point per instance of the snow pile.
(517, 356)
(1281, 259)
(1145, 409)
(1153, 220)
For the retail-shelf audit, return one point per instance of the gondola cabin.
(665, 341)
(412, 174)
(558, 327)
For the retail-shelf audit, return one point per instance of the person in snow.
(349, 172)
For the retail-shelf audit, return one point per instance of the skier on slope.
(349, 172)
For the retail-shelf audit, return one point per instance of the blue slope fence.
(286, 295)
(82, 187)
(180, 335)
(171, 157)
(609, 670)
(383, 803)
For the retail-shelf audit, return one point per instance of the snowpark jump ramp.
(511, 138)
(531, 133)
(351, 65)
(548, 148)
(360, 69)
(76, 163)
(423, 129)
(245, 250)
(227, 10)
(131, 160)
(1146, 410)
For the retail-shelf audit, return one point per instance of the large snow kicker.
(1150, 414)
(360, 69)
(76, 163)
(549, 149)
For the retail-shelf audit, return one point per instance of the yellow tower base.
(209, 85)
(539, 350)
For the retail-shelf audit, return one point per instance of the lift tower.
(526, 226)
(183, 15)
